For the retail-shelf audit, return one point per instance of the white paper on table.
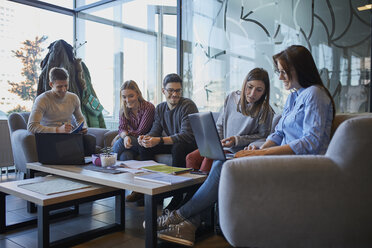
(132, 171)
(135, 164)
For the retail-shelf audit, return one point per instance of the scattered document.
(129, 170)
(163, 178)
(166, 169)
(135, 164)
(54, 185)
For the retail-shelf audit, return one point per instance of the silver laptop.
(206, 136)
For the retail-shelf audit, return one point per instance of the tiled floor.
(92, 215)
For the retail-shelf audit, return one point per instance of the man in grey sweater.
(53, 110)
(171, 131)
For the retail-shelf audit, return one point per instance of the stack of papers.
(135, 164)
(166, 169)
(163, 178)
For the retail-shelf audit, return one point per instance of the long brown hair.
(300, 59)
(129, 85)
(262, 103)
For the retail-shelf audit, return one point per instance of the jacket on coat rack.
(61, 55)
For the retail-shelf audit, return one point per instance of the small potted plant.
(108, 158)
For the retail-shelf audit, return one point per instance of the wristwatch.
(161, 141)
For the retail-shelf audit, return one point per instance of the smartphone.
(199, 172)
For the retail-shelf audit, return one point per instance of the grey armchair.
(303, 201)
(23, 142)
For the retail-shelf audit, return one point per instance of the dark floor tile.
(93, 208)
(5, 243)
(29, 239)
(78, 225)
(23, 212)
(109, 202)
(113, 240)
(13, 218)
(14, 203)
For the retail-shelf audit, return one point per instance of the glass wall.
(26, 31)
(223, 40)
(117, 40)
(133, 40)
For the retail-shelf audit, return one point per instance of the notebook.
(60, 148)
(206, 136)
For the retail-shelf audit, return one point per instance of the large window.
(133, 40)
(118, 41)
(24, 29)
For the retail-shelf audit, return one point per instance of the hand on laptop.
(246, 153)
(251, 147)
(65, 128)
(228, 142)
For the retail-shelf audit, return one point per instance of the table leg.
(2, 212)
(31, 207)
(120, 209)
(43, 226)
(150, 219)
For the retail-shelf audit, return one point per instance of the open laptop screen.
(60, 148)
(206, 135)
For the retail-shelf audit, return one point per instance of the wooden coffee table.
(154, 192)
(61, 199)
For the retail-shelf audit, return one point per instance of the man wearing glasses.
(171, 131)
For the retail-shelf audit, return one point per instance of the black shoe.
(134, 196)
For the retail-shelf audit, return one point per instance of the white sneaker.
(170, 217)
(182, 233)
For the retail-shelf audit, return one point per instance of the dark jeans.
(124, 153)
(179, 152)
(89, 142)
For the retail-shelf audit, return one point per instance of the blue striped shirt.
(306, 121)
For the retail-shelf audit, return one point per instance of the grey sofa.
(303, 201)
(23, 142)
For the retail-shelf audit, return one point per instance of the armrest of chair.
(24, 148)
(282, 195)
(109, 137)
(100, 135)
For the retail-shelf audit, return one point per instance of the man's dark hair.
(172, 78)
(58, 73)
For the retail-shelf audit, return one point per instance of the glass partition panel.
(224, 40)
(120, 43)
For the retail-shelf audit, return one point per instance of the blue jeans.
(124, 153)
(205, 196)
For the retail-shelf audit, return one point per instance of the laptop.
(60, 148)
(206, 136)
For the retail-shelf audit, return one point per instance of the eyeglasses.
(171, 91)
(278, 72)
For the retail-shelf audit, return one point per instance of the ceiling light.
(365, 7)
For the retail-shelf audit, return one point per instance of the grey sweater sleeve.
(157, 128)
(263, 131)
(38, 110)
(185, 133)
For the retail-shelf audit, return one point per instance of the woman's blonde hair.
(263, 103)
(129, 85)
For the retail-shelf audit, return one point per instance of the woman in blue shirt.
(304, 128)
